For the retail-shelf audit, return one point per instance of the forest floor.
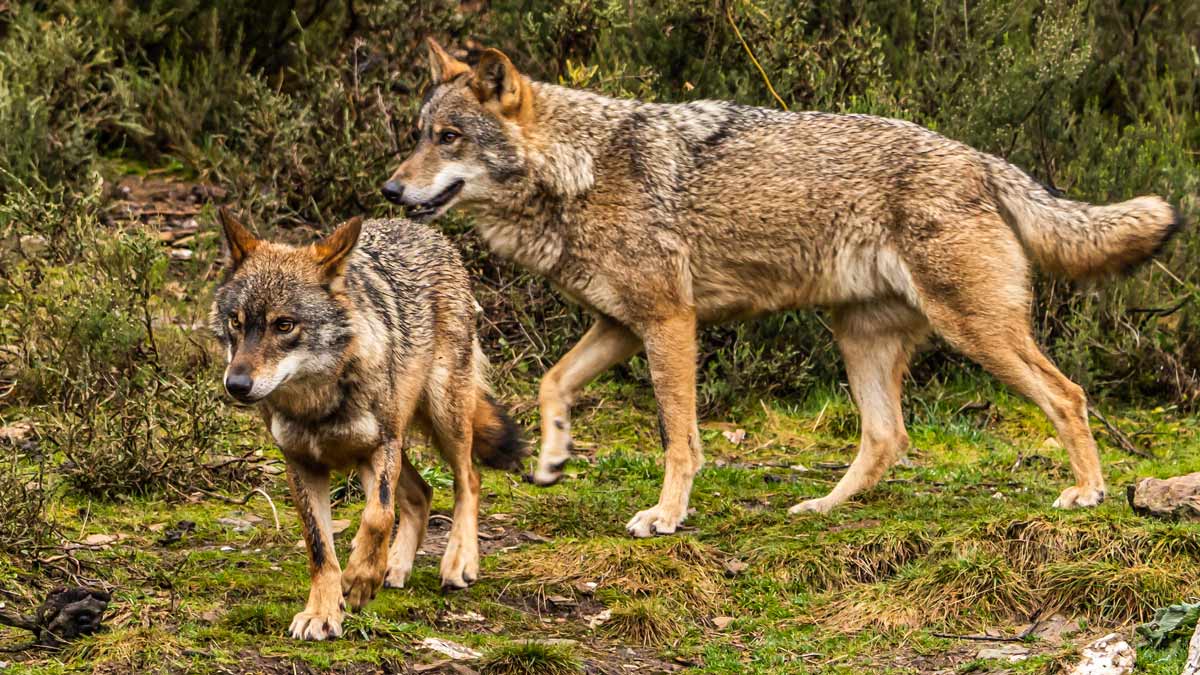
(956, 563)
(959, 540)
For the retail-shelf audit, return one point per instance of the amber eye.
(284, 326)
(448, 137)
(234, 324)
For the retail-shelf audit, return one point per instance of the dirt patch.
(493, 537)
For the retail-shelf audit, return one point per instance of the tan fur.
(358, 337)
(659, 217)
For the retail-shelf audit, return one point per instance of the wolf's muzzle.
(239, 385)
(393, 192)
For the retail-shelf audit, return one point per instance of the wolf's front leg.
(606, 344)
(671, 351)
(322, 616)
(369, 554)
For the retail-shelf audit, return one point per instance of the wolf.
(659, 218)
(341, 345)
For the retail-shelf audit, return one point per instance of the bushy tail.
(497, 440)
(1077, 240)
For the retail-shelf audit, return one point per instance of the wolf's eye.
(448, 137)
(284, 326)
(234, 324)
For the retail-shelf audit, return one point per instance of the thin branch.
(1120, 438)
(767, 80)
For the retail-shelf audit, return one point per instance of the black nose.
(393, 192)
(239, 385)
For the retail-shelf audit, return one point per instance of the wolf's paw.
(397, 576)
(822, 505)
(655, 520)
(460, 564)
(316, 626)
(359, 585)
(1076, 497)
(551, 462)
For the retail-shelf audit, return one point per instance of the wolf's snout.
(393, 192)
(239, 385)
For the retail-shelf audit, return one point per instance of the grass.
(960, 540)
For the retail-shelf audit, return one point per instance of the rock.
(101, 539)
(452, 649)
(182, 254)
(1176, 498)
(1110, 655)
(1054, 629)
(1011, 653)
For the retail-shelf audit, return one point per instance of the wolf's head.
(472, 126)
(279, 311)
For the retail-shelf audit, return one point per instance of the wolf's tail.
(497, 440)
(1078, 240)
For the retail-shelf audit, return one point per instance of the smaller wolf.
(341, 345)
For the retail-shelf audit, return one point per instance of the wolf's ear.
(333, 251)
(442, 66)
(497, 82)
(239, 241)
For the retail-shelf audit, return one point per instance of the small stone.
(1110, 655)
(227, 549)
(1010, 653)
(182, 254)
(722, 622)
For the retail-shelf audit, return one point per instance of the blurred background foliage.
(299, 109)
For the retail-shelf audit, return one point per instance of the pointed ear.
(333, 251)
(239, 241)
(497, 82)
(442, 66)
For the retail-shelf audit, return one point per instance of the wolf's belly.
(739, 284)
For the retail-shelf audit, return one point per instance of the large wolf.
(658, 218)
(341, 344)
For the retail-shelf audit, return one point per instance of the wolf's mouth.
(428, 209)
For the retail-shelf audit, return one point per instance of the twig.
(767, 80)
(244, 500)
(1121, 439)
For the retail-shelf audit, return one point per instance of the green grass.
(960, 540)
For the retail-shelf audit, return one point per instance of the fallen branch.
(1119, 438)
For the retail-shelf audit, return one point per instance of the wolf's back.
(1078, 240)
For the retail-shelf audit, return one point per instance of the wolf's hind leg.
(452, 406)
(606, 344)
(1006, 348)
(876, 343)
(412, 517)
(322, 616)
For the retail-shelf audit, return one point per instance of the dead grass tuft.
(678, 568)
(649, 622)
(1111, 591)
